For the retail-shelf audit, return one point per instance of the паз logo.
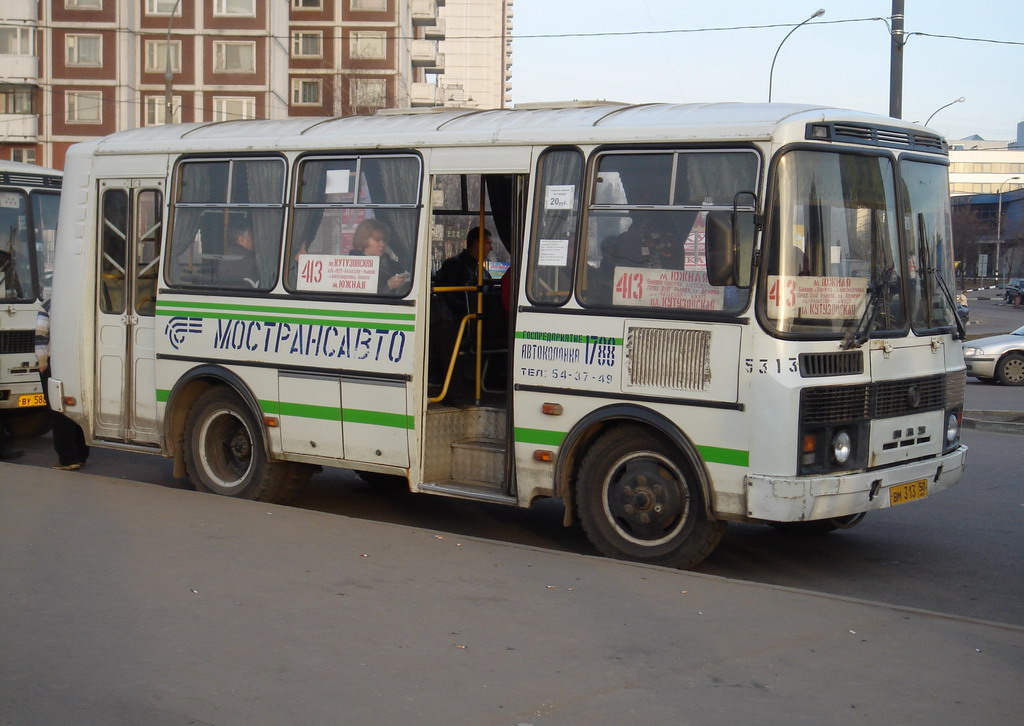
(178, 328)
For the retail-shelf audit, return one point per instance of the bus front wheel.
(638, 500)
(224, 452)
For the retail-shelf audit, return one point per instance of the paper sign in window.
(559, 196)
(816, 298)
(656, 288)
(553, 253)
(338, 181)
(339, 273)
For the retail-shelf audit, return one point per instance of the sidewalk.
(126, 603)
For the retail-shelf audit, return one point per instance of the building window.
(235, 8)
(84, 50)
(232, 108)
(306, 91)
(233, 56)
(369, 5)
(17, 99)
(83, 107)
(369, 45)
(83, 4)
(156, 56)
(25, 156)
(307, 44)
(369, 93)
(156, 110)
(307, 4)
(163, 7)
(16, 41)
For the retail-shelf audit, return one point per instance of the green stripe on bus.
(718, 455)
(564, 337)
(376, 325)
(377, 418)
(539, 436)
(284, 310)
(162, 395)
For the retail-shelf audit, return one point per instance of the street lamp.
(168, 73)
(817, 14)
(999, 221)
(959, 100)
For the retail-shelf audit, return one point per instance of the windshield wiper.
(860, 334)
(961, 331)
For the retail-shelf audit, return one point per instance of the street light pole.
(959, 100)
(817, 14)
(168, 73)
(999, 222)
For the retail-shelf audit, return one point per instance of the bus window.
(645, 238)
(553, 247)
(45, 208)
(16, 280)
(113, 238)
(215, 200)
(355, 223)
(148, 230)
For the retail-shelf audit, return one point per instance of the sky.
(843, 64)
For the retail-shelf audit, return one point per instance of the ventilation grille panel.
(675, 359)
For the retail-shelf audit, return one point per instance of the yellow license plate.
(903, 493)
(31, 399)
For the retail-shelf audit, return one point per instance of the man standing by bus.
(68, 438)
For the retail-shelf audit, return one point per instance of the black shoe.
(10, 454)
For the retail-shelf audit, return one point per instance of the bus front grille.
(885, 399)
(17, 341)
(844, 363)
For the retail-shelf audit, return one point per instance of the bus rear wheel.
(638, 500)
(224, 452)
(28, 424)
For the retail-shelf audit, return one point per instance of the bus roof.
(572, 123)
(29, 175)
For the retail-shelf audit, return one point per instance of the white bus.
(717, 312)
(29, 203)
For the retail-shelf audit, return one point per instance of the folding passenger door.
(128, 259)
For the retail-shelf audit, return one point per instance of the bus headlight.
(842, 447)
(952, 428)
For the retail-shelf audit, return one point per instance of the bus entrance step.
(478, 461)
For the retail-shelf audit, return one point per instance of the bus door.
(468, 428)
(128, 253)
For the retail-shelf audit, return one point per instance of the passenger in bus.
(460, 271)
(238, 267)
(372, 238)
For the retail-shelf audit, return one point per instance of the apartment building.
(71, 70)
(477, 53)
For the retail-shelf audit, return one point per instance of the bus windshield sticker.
(337, 181)
(10, 200)
(553, 253)
(820, 298)
(559, 196)
(338, 273)
(666, 289)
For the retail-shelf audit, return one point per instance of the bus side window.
(556, 208)
(148, 232)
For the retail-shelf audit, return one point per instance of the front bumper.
(805, 498)
(981, 367)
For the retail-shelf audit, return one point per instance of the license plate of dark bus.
(31, 399)
(903, 493)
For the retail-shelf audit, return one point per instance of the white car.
(997, 358)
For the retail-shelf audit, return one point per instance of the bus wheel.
(28, 424)
(224, 452)
(638, 500)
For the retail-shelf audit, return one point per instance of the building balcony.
(424, 94)
(18, 128)
(424, 12)
(423, 53)
(435, 32)
(19, 68)
(19, 10)
(438, 66)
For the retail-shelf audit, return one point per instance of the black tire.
(638, 499)
(224, 452)
(28, 424)
(820, 526)
(1010, 369)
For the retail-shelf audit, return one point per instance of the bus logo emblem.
(178, 328)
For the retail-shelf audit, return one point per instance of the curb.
(1003, 422)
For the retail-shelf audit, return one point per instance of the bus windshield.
(833, 250)
(26, 240)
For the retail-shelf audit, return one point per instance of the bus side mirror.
(729, 246)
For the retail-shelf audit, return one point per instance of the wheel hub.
(644, 499)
